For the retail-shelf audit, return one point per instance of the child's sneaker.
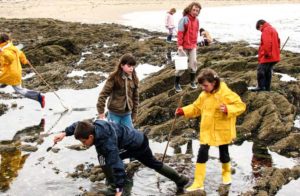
(41, 100)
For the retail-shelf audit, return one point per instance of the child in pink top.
(169, 23)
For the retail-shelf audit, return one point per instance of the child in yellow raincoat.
(11, 70)
(218, 107)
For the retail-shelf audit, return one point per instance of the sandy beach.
(98, 11)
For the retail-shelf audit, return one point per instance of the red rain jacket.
(269, 49)
(188, 29)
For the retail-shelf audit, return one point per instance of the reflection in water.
(33, 131)
(11, 161)
(11, 158)
(177, 149)
(189, 147)
(260, 159)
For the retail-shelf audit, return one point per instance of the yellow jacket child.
(10, 64)
(217, 128)
(218, 107)
(11, 69)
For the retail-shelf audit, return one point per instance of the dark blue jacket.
(109, 138)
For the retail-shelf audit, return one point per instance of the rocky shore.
(57, 48)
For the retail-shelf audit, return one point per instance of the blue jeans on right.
(123, 119)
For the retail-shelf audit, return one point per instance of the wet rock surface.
(77, 147)
(3, 108)
(273, 180)
(57, 48)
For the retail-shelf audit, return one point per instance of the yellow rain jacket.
(216, 128)
(10, 64)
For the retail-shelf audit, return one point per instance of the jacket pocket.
(222, 124)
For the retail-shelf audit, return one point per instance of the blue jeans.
(124, 119)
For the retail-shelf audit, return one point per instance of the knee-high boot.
(198, 183)
(170, 173)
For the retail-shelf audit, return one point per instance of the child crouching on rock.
(218, 107)
(108, 138)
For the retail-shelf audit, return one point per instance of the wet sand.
(98, 11)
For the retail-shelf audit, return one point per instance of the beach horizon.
(95, 11)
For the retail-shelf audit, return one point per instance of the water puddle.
(232, 22)
(290, 188)
(297, 122)
(33, 171)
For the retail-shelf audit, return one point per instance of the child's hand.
(179, 112)
(180, 48)
(223, 108)
(59, 137)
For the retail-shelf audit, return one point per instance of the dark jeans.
(203, 153)
(264, 75)
(144, 155)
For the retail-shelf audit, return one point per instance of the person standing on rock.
(169, 23)
(11, 69)
(218, 107)
(108, 138)
(268, 55)
(122, 89)
(187, 35)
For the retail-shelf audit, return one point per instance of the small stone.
(41, 159)
(29, 148)
(79, 167)
(55, 150)
(14, 105)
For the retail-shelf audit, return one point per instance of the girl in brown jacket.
(122, 89)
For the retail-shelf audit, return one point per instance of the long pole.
(173, 126)
(48, 85)
(285, 43)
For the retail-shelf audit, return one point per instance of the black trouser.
(264, 75)
(144, 155)
(203, 153)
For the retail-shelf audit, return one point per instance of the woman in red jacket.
(268, 55)
(188, 28)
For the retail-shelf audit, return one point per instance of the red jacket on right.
(269, 49)
(188, 29)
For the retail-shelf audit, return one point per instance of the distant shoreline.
(99, 11)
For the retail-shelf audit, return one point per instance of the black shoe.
(177, 85)
(193, 85)
(178, 88)
(257, 89)
(3, 85)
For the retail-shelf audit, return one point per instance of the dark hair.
(4, 37)
(117, 74)
(189, 8)
(201, 30)
(83, 130)
(259, 22)
(210, 76)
